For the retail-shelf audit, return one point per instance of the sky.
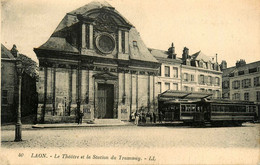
(229, 28)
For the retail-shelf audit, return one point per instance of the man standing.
(136, 118)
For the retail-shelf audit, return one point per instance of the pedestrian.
(160, 116)
(136, 118)
(154, 117)
(151, 117)
(80, 116)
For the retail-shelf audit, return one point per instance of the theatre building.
(95, 61)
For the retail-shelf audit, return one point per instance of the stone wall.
(132, 91)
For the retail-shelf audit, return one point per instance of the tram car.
(198, 109)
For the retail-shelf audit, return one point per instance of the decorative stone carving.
(105, 23)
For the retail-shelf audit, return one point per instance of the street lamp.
(18, 125)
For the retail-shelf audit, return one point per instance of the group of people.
(142, 117)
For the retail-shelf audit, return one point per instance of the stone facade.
(9, 87)
(242, 82)
(96, 62)
(196, 72)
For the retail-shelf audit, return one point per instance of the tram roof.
(225, 101)
(171, 94)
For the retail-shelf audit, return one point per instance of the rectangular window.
(201, 79)
(253, 70)
(236, 96)
(160, 72)
(185, 78)
(246, 83)
(236, 84)
(225, 85)
(167, 86)
(186, 88)
(192, 77)
(218, 94)
(191, 89)
(167, 71)
(217, 81)
(241, 72)
(4, 97)
(246, 96)
(160, 87)
(175, 72)
(258, 96)
(175, 86)
(257, 81)
(210, 80)
(231, 75)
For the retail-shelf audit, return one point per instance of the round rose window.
(105, 43)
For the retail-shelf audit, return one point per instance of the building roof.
(139, 52)
(201, 56)
(58, 42)
(162, 55)
(5, 53)
(234, 69)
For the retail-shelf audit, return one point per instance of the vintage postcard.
(130, 82)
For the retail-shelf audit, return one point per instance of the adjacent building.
(9, 85)
(195, 73)
(242, 82)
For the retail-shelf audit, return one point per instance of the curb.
(42, 126)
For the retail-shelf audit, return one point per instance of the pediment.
(106, 17)
(105, 76)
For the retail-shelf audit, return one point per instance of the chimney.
(241, 62)
(185, 54)
(171, 52)
(14, 51)
(216, 58)
(223, 65)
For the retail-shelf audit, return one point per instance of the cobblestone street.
(246, 136)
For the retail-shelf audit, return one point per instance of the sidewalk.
(74, 125)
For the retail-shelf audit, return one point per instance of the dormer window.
(201, 64)
(135, 43)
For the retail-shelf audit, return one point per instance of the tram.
(197, 108)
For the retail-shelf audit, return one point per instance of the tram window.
(226, 108)
(213, 108)
(252, 109)
(198, 109)
(222, 108)
(193, 108)
(182, 108)
(235, 109)
(247, 108)
(217, 108)
(187, 108)
(243, 109)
